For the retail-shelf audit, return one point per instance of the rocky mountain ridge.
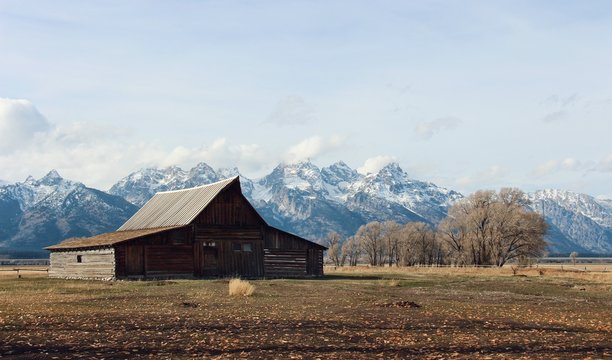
(300, 197)
(37, 213)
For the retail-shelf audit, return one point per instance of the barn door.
(134, 258)
(207, 258)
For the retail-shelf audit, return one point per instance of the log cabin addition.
(206, 231)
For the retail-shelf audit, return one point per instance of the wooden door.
(134, 260)
(206, 259)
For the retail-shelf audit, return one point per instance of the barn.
(206, 231)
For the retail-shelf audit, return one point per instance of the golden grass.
(596, 272)
(238, 287)
(391, 282)
(8, 271)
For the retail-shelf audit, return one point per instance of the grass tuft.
(392, 282)
(238, 287)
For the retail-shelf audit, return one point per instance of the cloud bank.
(20, 123)
(374, 164)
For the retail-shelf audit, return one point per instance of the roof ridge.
(199, 187)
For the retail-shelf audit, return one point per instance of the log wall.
(285, 263)
(96, 264)
(166, 254)
(282, 246)
(230, 261)
(230, 207)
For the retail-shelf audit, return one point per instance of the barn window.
(210, 244)
(236, 246)
(178, 238)
(248, 247)
(79, 258)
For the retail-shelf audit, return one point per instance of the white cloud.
(490, 175)
(569, 164)
(428, 129)
(292, 110)
(374, 164)
(313, 147)
(20, 122)
(97, 155)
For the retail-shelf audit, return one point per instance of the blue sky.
(467, 94)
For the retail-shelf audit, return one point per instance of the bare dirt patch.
(462, 315)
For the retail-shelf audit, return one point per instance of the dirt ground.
(351, 313)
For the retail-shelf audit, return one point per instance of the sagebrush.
(239, 287)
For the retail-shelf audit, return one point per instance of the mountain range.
(300, 198)
(38, 213)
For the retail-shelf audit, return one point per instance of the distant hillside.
(301, 198)
(38, 213)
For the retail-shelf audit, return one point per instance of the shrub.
(393, 283)
(239, 287)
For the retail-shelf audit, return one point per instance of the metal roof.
(106, 239)
(175, 208)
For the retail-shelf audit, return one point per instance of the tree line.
(486, 228)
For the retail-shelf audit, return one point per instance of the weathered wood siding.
(291, 256)
(229, 208)
(315, 262)
(227, 240)
(277, 239)
(94, 264)
(164, 254)
(285, 263)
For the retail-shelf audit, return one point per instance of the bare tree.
(334, 249)
(391, 233)
(453, 234)
(493, 228)
(573, 256)
(351, 250)
(417, 245)
(370, 238)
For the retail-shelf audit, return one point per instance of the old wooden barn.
(205, 231)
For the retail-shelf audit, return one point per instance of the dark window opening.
(79, 258)
(178, 238)
(236, 246)
(247, 247)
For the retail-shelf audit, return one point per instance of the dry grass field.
(351, 313)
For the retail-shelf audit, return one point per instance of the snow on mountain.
(299, 197)
(605, 202)
(582, 219)
(140, 186)
(304, 199)
(37, 213)
(393, 185)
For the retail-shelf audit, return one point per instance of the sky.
(466, 94)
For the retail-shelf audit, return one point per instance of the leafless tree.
(351, 251)
(573, 256)
(452, 235)
(493, 228)
(391, 234)
(370, 238)
(418, 245)
(334, 248)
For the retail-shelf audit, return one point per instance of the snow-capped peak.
(338, 173)
(228, 172)
(576, 202)
(52, 178)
